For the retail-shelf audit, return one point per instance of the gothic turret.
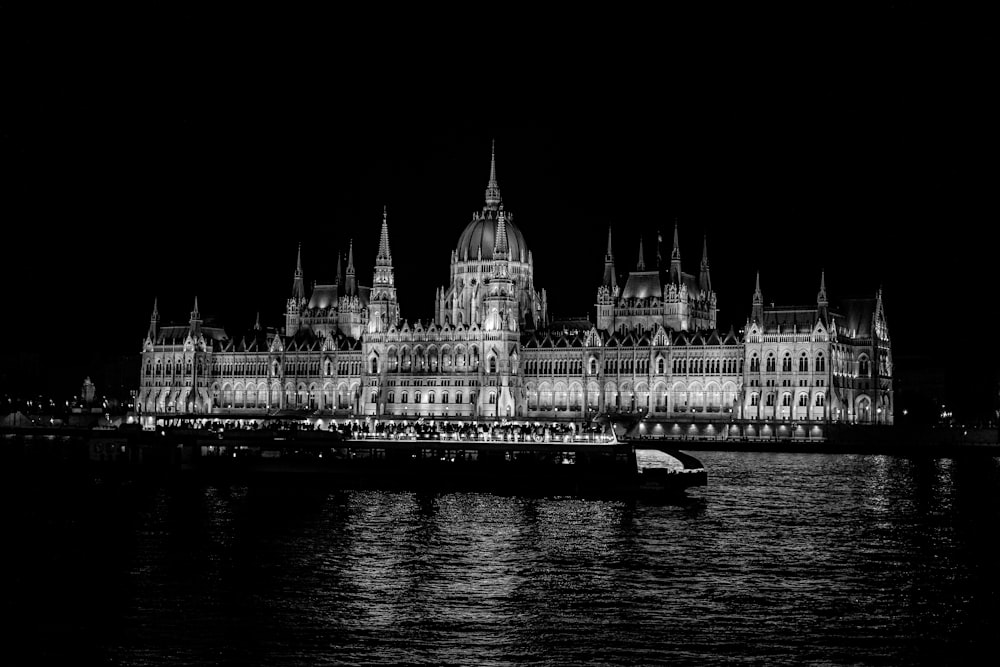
(298, 286)
(351, 288)
(501, 316)
(675, 259)
(383, 310)
(641, 264)
(822, 302)
(154, 321)
(758, 302)
(195, 320)
(609, 267)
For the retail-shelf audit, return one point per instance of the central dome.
(480, 235)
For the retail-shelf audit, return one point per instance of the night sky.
(169, 162)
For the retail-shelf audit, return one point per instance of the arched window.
(493, 398)
(444, 397)
(786, 363)
(405, 397)
(416, 397)
(786, 400)
(803, 363)
(659, 366)
(820, 400)
(754, 399)
(770, 400)
(374, 366)
(458, 397)
(754, 364)
(864, 367)
(492, 365)
(392, 397)
(328, 368)
(430, 397)
(820, 363)
(803, 400)
(770, 363)
(374, 396)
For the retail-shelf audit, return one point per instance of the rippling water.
(783, 559)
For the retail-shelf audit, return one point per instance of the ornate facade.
(491, 350)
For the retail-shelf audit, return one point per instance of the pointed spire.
(705, 280)
(256, 326)
(340, 270)
(641, 266)
(492, 189)
(154, 319)
(195, 321)
(758, 302)
(384, 257)
(676, 276)
(821, 297)
(298, 285)
(609, 267)
(351, 287)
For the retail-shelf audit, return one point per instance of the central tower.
(462, 301)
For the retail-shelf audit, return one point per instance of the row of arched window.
(770, 363)
(684, 366)
(613, 366)
(170, 367)
(786, 400)
(418, 397)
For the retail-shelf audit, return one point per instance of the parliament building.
(492, 351)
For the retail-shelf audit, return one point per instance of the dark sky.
(179, 159)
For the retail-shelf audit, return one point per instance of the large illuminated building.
(491, 350)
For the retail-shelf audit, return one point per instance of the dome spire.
(492, 189)
(500, 247)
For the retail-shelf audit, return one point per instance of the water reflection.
(782, 559)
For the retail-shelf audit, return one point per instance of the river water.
(783, 559)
